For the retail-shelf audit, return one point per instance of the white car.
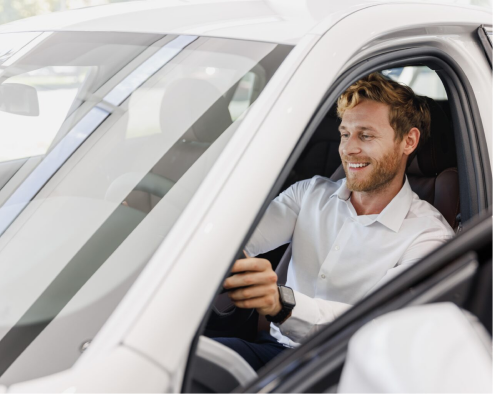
(140, 144)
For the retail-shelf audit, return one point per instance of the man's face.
(370, 154)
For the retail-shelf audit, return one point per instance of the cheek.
(383, 152)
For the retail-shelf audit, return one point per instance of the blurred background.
(11, 10)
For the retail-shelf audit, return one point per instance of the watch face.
(287, 295)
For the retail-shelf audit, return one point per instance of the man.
(349, 237)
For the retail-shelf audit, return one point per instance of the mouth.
(357, 166)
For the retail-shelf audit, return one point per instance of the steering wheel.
(226, 316)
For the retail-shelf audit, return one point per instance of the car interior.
(433, 176)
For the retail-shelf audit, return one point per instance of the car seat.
(186, 101)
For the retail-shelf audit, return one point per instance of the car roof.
(280, 21)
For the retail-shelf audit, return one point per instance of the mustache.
(353, 159)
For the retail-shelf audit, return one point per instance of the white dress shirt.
(339, 257)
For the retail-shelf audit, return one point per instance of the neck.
(375, 201)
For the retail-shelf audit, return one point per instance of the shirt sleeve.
(277, 225)
(311, 314)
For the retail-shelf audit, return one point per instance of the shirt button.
(322, 276)
(336, 247)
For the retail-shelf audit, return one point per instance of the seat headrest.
(197, 105)
(438, 152)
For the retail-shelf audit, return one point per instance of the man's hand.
(261, 292)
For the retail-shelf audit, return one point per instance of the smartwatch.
(286, 296)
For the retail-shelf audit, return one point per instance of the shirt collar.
(343, 193)
(393, 214)
(396, 211)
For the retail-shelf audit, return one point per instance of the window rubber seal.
(468, 131)
(486, 42)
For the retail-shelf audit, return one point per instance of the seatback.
(184, 101)
(433, 173)
(321, 155)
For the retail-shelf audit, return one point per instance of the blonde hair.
(407, 110)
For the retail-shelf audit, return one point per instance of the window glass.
(56, 87)
(243, 95)
(423, 80)
(124, 143)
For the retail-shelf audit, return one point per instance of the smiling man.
(349, 237)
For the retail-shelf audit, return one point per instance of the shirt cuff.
(310, 315)
(303, 318)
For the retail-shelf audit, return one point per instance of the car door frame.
(478, 174)
(475, 175)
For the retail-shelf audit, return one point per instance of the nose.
(350, 146)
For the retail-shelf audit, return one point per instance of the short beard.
(383, 172)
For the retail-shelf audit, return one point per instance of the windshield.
(104, 139)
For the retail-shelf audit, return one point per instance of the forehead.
(367, 114)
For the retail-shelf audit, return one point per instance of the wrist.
(286, 304)
(276, 309)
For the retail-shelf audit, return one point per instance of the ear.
(411, 141)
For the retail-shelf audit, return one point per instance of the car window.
(244, 94)
(423, 80)
(57, 88)
(102, 171)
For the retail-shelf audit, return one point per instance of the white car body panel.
(211, 229)
(264, 20)
(124, 370)
(434, 348)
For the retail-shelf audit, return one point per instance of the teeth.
(357, 165)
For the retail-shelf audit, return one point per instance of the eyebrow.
(362, 128)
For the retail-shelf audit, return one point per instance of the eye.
(344, 135)
(366, 137)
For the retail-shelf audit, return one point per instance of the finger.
(238, 266)
(251, 264)
(256, 303)
(250, 279)
(246, 254)
(252, 292)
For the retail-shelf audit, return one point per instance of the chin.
(359, 185)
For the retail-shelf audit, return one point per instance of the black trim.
(468, 134)
(485, 43)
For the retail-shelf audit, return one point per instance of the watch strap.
(283, 314)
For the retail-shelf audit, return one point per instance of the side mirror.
(19, 99)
